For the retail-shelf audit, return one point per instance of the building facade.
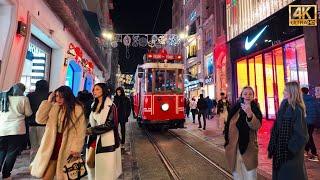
(265, 52)
(51, 40)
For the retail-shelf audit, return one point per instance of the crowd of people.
(60, 127)
(291, 138)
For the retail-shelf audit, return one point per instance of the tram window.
(170, 80)
(160, 80)
(149, 81)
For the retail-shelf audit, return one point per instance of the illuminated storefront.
(209, 80)
(276, 56)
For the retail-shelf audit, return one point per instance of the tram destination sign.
(162, 56)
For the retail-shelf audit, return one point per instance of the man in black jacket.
(36, 130)
(202, 106)
(124, 109)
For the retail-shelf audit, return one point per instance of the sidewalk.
(215, 137)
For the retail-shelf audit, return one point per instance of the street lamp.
(107, 35)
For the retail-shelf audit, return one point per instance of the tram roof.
(162, 65)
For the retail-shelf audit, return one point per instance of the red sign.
(162, 56)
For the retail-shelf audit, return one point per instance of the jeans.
(123, 132)
(310, 145)
(204, 119)
(10, 146)
(193, 112)
(35, 134)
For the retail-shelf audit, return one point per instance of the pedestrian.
(313, 114)
(64, 134)
(104, 125)
(209, 107)
(123, 106)
(289, 136)
(241, 147)
(36, 130)
(193, 107)
(223, 107)
(86, 99)
(202, 107)
(214, 104)
(187, 106)
(14, 107)
(132, 104)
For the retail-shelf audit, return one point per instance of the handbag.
(75, 168)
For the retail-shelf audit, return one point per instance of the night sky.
(139, 16)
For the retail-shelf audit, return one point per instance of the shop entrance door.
(274, 81)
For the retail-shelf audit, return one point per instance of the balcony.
(70, 12)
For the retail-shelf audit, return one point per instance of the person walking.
(123, 106)
(223, 107)
(193, 107)
(187, 106)
(313, 114)
(14, 107)
(36, 130)
(240, 135)
(209, 107)
(104, 125)
(132, 104)
(64, 134)
(289, 135)
(202, 107)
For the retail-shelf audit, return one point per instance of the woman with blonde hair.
(289, 136)
(241, 147)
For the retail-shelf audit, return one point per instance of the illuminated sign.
(161, 56)
(193, 16)
(302, 15)
(248, 44)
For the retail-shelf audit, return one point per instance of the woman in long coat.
(240, 132)
(64, 134)
(104, 124)
(289, 136)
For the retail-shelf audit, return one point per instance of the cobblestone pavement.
(215, 137)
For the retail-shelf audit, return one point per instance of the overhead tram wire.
(154, 25)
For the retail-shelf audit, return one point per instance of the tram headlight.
(165, 107)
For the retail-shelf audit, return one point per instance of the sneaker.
(313, 158)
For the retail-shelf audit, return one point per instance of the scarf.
(280, 135)
(242, 125)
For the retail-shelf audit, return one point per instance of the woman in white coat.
(104, 124)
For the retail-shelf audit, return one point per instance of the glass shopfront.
(268, 71)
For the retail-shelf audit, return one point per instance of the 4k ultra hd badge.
(303, 15)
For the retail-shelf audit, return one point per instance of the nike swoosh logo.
(248, 44)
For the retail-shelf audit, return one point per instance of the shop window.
(192, 49)
(295, 61)
(37, 64)
(73, 76)
(193, 28)
(242, 75)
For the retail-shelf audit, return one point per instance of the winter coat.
(35, 99)
(108, 154)
(123, 107)
(220, 107)
(13, 121)
(72, 140)
(250, 156)
(202, 105)
(294, 168)
(313, 110)
(209, 103)
(193, 104)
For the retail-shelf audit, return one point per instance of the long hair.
(247, 87)
(69, 102)
(295, 96)
(105, 94)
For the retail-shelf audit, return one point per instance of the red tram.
(159, 91)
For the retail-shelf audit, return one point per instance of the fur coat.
(73, 138)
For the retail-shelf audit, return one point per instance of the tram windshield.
(165, 80)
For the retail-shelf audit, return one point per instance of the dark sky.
(139, 16)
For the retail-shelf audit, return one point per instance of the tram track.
(164, 153)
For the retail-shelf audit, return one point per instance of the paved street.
(140, 160)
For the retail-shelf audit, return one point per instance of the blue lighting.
(248, 44)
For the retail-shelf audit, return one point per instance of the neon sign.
(248, 44)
